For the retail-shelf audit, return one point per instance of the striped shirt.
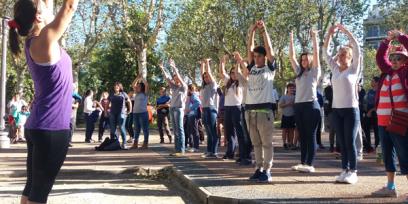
(400, 99)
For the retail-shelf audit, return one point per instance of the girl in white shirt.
(345, 67)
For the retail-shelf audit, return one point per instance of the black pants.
(163, 125)
(307, 121)
(248, 146)
(103, 125)
(129, 125)
(90, 126)
(46, 154)
(371, 122)
(192, 131)
(319, 132)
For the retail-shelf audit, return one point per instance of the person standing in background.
(371, 121)
(163, 109)
(104, 120)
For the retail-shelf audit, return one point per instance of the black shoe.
(321, 147)
(285, 146)
(331, 149)
(170, 139)
(225, 157)
(256, 175)
(161, 141)
(245, 162)
(69, 145)
(238, 160)
(88, 141)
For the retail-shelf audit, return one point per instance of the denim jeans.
(176, 116)
(103, 124)
(115, 120)
(141, 122)
(130, 125)
(307, 116)
(347, 122)
(210, 124)
(394, 146)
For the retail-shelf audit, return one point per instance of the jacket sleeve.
(382, 57)
(403, 39)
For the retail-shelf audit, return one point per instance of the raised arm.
(251, 42)
(208, 69)
(223, 73)
(147, 88)
(54, 31)
(327, 56)
(240, 63)
(175, 71)
(316, 52)
(270, 54)
(402, 38)
(161, 66)
(292, 54)
(355, 67)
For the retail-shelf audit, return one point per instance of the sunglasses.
(396, 58)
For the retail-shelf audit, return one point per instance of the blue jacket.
(194, 104)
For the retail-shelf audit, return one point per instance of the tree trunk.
(142, 62)
(20, 81)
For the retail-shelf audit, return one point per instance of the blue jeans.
(116, 120)
(141, 121)
(307, 116)
(210, 124)
(176, 116)
(346, 122)
(394, 146)
(192, 131)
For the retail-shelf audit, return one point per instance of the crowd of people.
(242, 106)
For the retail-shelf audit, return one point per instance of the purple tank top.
(52, 104)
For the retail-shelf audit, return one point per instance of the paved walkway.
(98, 177)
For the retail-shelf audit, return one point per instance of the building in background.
(375, 28)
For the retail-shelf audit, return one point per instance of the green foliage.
(370, 67)
(395, 13)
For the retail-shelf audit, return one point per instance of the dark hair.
(192, 87)
(142, 87)
(290, 85)
(260, 50)
(204, 79)
(376, 79)
(232, 82)
(302, 69)
(88, 92)
(120, 86)
(24, 16)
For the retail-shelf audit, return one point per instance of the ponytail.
(14, 41)
(24, 17)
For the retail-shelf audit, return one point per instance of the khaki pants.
(261, 128)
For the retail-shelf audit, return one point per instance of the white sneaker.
(192, 150)
(296, 168)
(340, 178)
(351, 177)
(360, 157)
(306, 169)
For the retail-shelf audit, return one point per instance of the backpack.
(109, 145)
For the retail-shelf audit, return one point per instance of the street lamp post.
(4, 140)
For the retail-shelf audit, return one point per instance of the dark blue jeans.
(141, 121)
(103, 124)
(394, 146)
(307, 116)
(129, 125)
(346, 122)
(116, 120)
(234, 132)
(210, 124)
(176, 115)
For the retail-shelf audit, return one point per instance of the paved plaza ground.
(115, 177)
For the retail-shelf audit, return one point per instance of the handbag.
(399, 120)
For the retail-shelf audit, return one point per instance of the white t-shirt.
(345, 92)
(88, 105)
(233, 95)
(260, 87)
(17, 105)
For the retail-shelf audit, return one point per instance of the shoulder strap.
(390, 91)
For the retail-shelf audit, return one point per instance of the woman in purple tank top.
(47, 128)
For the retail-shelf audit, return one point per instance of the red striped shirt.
(398, 95)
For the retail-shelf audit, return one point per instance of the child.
(20, 122)
(288, 116)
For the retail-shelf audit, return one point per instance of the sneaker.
(256, 175)
(340, 178)
(351, 177)
(135, 146)
(161, 141)
(238, 160)
(177, 154)
(130, 140)
(385, 192)
(306, 169)
(265, 177)
(245, 162)
(204, 155)
(123, 146)
(226, 158)
(296, 168)
(192, 150)
(70, 145)
(211, 156)
(285, 146)
(360, 157)
(321, 147)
